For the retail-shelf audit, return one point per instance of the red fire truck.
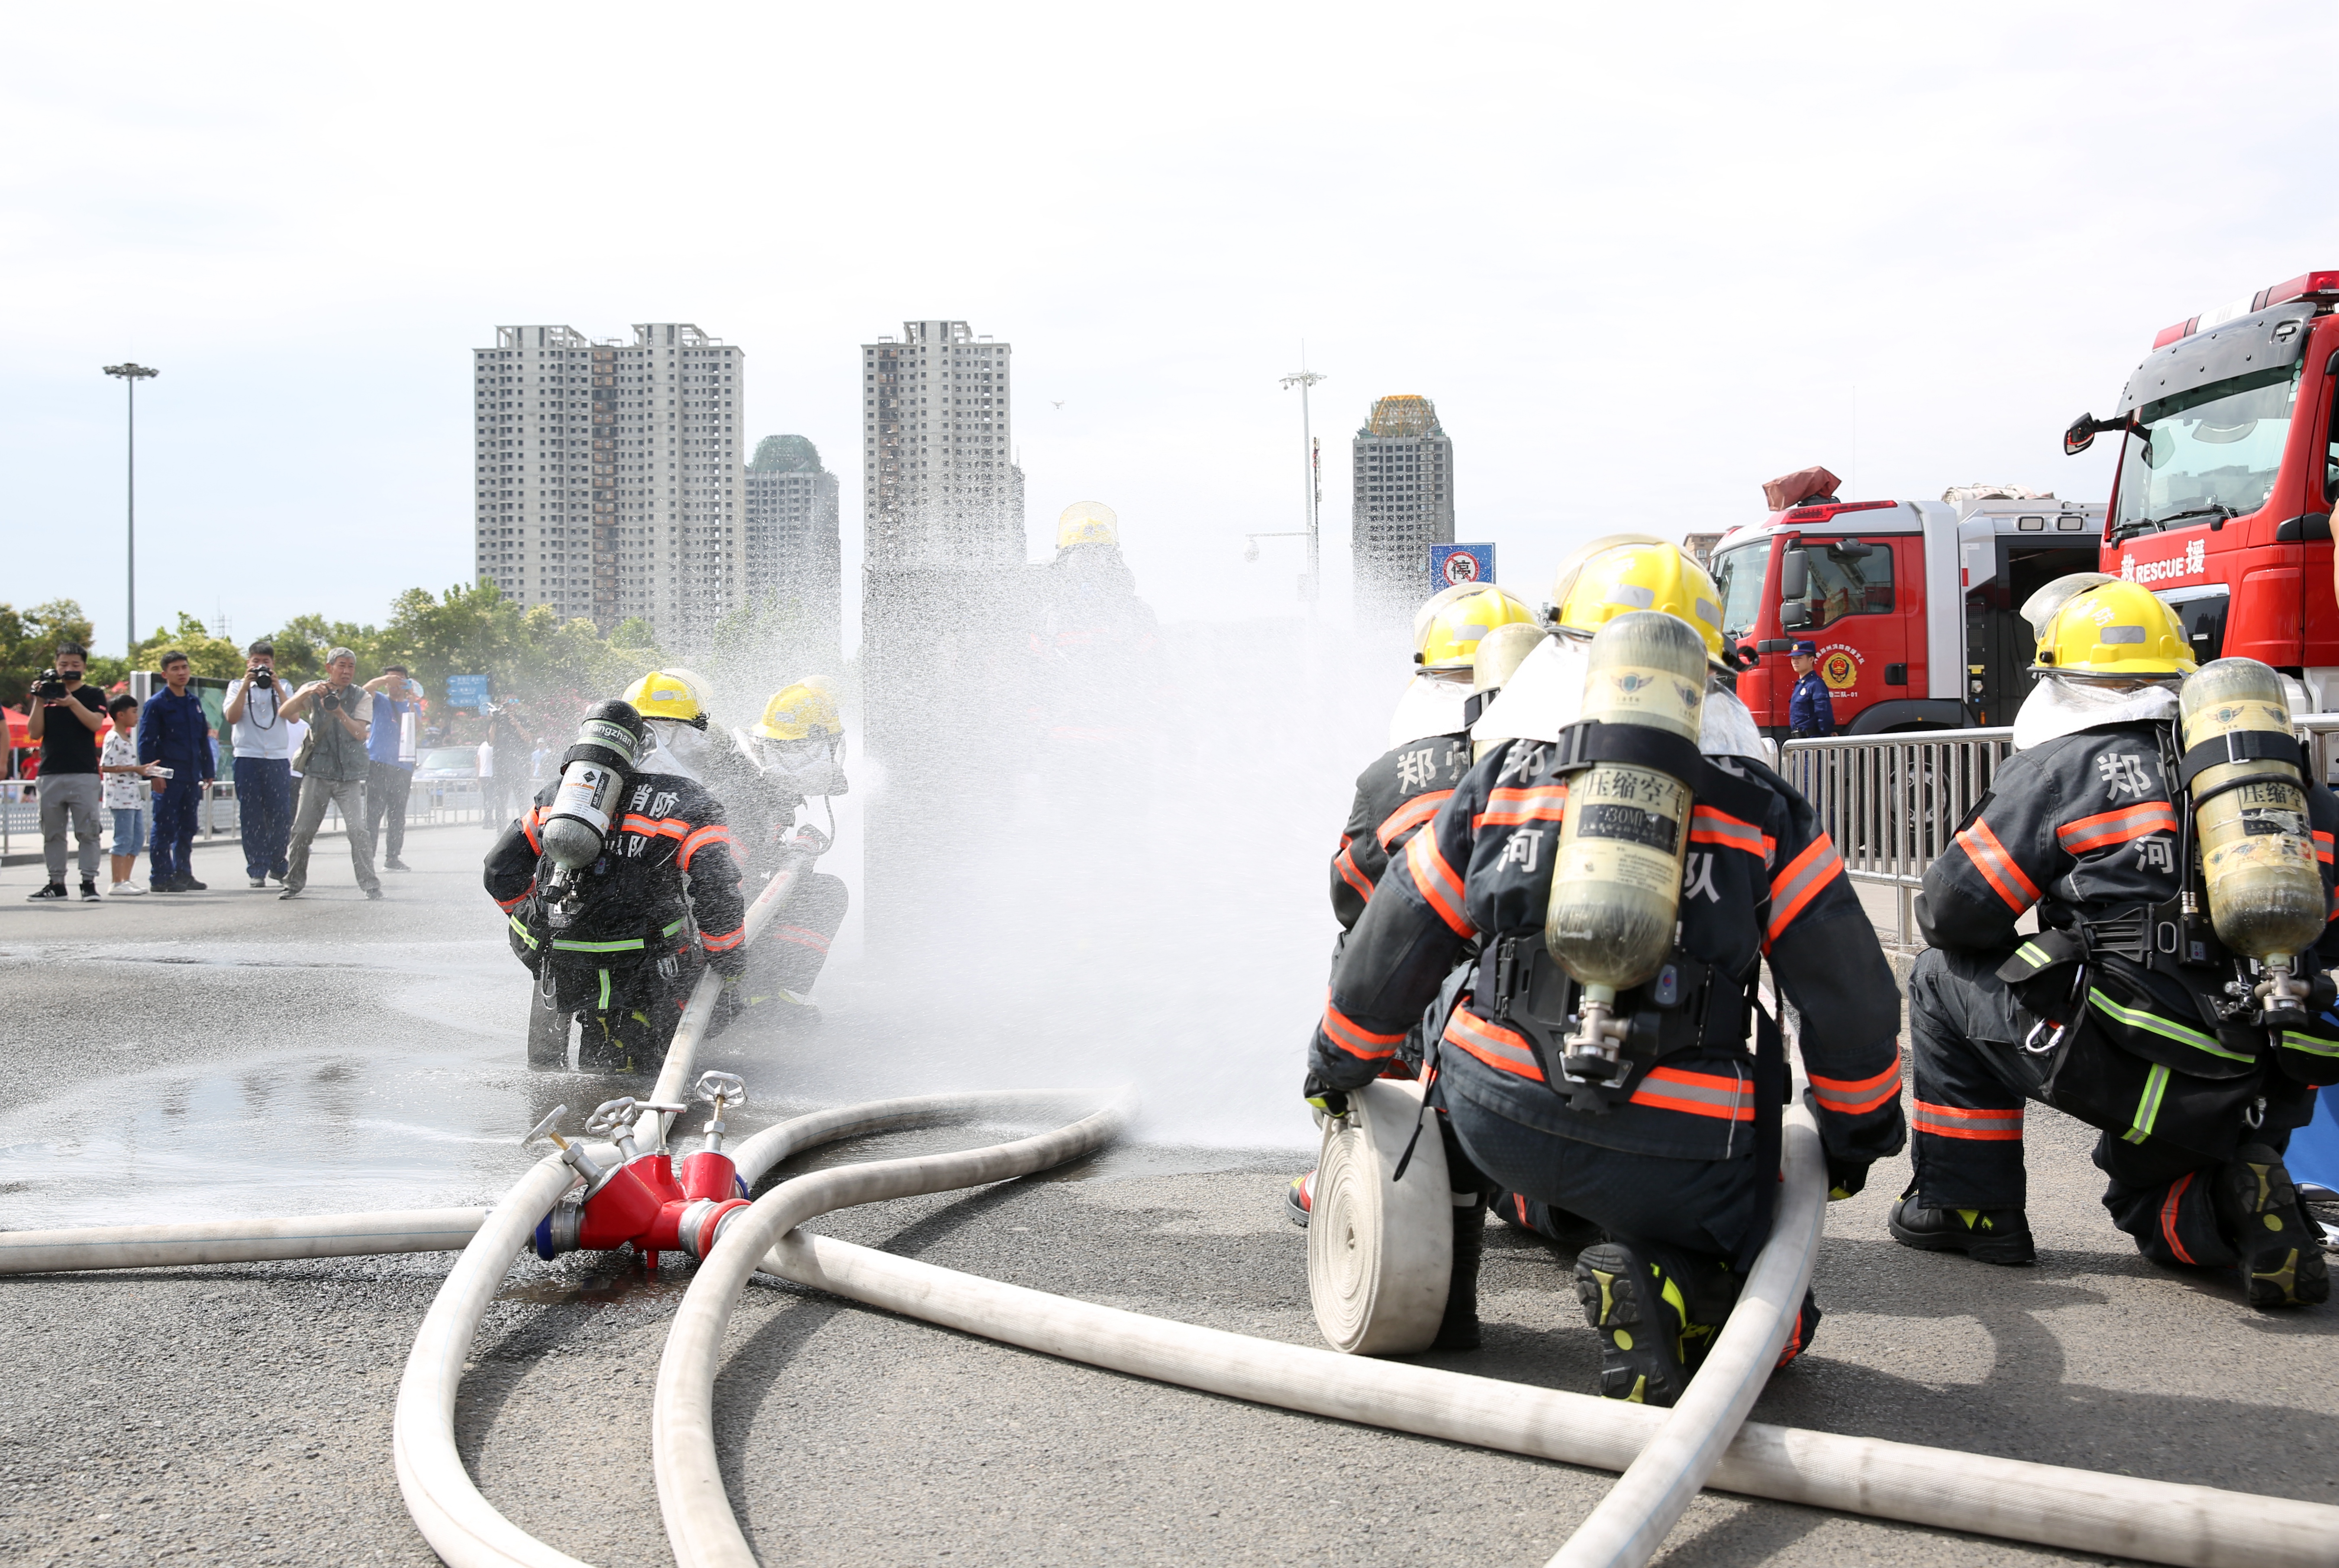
(2228, 466)
(1912, 603)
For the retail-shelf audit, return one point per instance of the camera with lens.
(262, 679)
(48, 686)
(329, 700)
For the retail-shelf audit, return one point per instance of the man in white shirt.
(263, 741)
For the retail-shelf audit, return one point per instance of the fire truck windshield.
(2209, 451)
(1739, 574)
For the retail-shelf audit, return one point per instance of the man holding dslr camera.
(332, 765)
(67, 713)
(264, 764)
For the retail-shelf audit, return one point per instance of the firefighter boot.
(1300, 1200)
(1458, 1329)
(2280, 1247)
(1985, 1235)
(1658, 1314)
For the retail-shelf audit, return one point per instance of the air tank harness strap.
(2240, 747)
(1584, 745)
(1770, 1110)
(629, 944)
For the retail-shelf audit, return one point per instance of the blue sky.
(1641, 262)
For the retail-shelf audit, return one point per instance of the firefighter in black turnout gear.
(619, 887)
(2127, 1010)
(1673, 1152)
(1428, 755)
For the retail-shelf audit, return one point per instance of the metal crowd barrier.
(442, 801)
(1894, 801)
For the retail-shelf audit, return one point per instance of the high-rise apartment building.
(608, 474)
(792, 549)
(1404, 503)
(938, 484)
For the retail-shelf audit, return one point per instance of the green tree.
(29, 639)
(206, 655)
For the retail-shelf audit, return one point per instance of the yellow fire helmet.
(798, 711)
(663, 695)
(1622, 572)
(1086, 523)
(2115, 629)
(1448, 637)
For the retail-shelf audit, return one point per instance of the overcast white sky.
(1641, 257)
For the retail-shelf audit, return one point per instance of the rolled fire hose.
(1380, 1252)
(1632, 1521)
(699, 1524)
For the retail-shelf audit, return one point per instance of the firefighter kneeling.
(1624, 861)
(2180, 858)
(619, 887)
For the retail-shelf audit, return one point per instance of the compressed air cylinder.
(1616, 885)
(2257, 853)
(592, 777)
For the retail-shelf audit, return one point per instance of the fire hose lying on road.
(1665, 1456)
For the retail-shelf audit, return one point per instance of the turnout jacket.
(666, 883)
(1770, 884)
(2085, 827)
(1394, 797)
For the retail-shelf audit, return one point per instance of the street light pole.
(1304, 378)
(130, 374)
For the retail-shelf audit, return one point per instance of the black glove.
(1325, 1099)
(1845, 1178)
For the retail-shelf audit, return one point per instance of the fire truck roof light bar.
(1826, 509)
(2306, 285)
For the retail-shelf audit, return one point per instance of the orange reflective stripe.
(2323, 847)
(1498, 1048)
(1707, 825)
(1792, 890)
(1438, 886)
(1345, 863)
(1513, 807)
(2121, 827)
(1987, 1124)
(1722, 1096)
(2168, 1217)
(725, 943)
(1356, 1039)
(1856, 1095)
(1996, 867)
(714, 834)
(528, 826)
(655, 827)
(1411, 814)
(509, 905)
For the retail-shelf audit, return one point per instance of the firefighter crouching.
(1430, 752)
(619, 886)
(2150, 860)
(1673, 1148)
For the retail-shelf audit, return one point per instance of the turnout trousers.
(795, 947)
(1972, 1082)
(263, 806)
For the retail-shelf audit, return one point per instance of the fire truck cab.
(1912, 603)
(2228, 470)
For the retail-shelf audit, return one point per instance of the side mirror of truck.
(1794, 616)
(1794, 576)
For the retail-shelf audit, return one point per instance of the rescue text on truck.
(2228, 466)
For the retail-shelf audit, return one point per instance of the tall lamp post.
(130, 374)
(1304, 378)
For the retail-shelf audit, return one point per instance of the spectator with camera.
(390, 756)
(174, 733)
(262, 739)
(332, 765)
(67, 713)
(125, 781)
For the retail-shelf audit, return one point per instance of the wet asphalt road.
(227, 1054)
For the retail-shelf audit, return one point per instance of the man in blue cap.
(1809, 712)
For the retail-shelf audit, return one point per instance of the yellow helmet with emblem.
(1086, 523)
(1447, 638)
(664, 695)
(1626, 572)
(799, 711)
(2114, 629)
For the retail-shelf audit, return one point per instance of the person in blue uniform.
(1809, 710)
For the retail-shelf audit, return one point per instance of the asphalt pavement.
(229, 1054)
